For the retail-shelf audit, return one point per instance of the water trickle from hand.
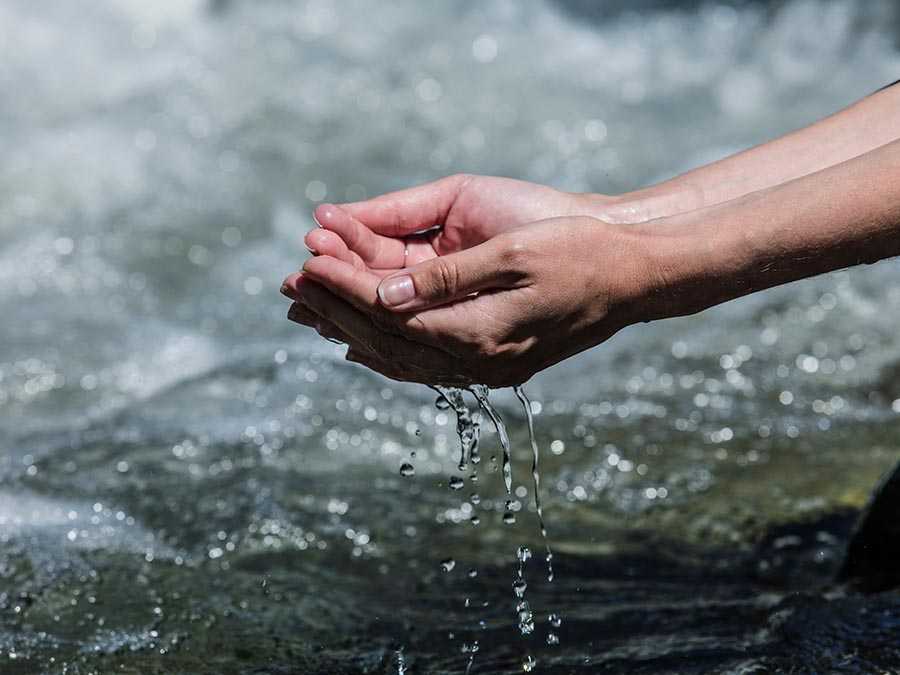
(468, 426)
(523, 609)
(471, 650)
(535, 476)
(481, 394)
(468, 430)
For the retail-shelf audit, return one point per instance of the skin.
(514, 281)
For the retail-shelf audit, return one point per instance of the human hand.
(407, 227)
(495, 313)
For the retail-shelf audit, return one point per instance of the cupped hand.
(407, 227)
(495, 313)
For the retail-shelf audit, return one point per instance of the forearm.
(838, 217)
(864, 126)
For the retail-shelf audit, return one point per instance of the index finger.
(397, 214)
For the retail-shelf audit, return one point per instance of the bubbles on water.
(407, 470)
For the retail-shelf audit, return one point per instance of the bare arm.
(537, 294)
(841, 216)
(864, 126)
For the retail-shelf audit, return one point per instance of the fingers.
(323, 242)
(357, 286)
(441, 280)
(405, 212)
(375, 250)
(305, 317)
(413, 360)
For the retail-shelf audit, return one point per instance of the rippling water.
(189, 483)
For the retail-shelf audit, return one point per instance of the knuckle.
(485, 348)
(515, 255)
(461, 178)
(446, 279)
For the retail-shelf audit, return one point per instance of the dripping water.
(480, 392)
(523, 609)
(535, 476)
(468, 426)
(472, 650)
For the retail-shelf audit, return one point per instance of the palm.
(401, 229)
(487, 206)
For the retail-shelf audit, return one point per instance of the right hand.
(494, 314)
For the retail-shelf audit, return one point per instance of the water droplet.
(509, 518)
(523, 554)
(519, 587)
(473, 573)
(407, 470)
(529, 664)
(552, 639)
(456, 483)
(555, 620)
(448, 564)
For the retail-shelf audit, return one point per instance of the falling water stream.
(535, 476)
(468, 431)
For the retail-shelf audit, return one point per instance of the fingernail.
(325, 209)
(397, 290)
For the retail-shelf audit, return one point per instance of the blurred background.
(191, 484)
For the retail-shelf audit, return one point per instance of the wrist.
(642, 205)
(688, 265)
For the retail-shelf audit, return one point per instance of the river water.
(191, 484)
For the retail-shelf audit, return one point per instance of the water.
(535, 476)
(170, 440)
(481, 394)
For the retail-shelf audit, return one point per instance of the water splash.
(535, 476)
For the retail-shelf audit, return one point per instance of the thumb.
(450, 277)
